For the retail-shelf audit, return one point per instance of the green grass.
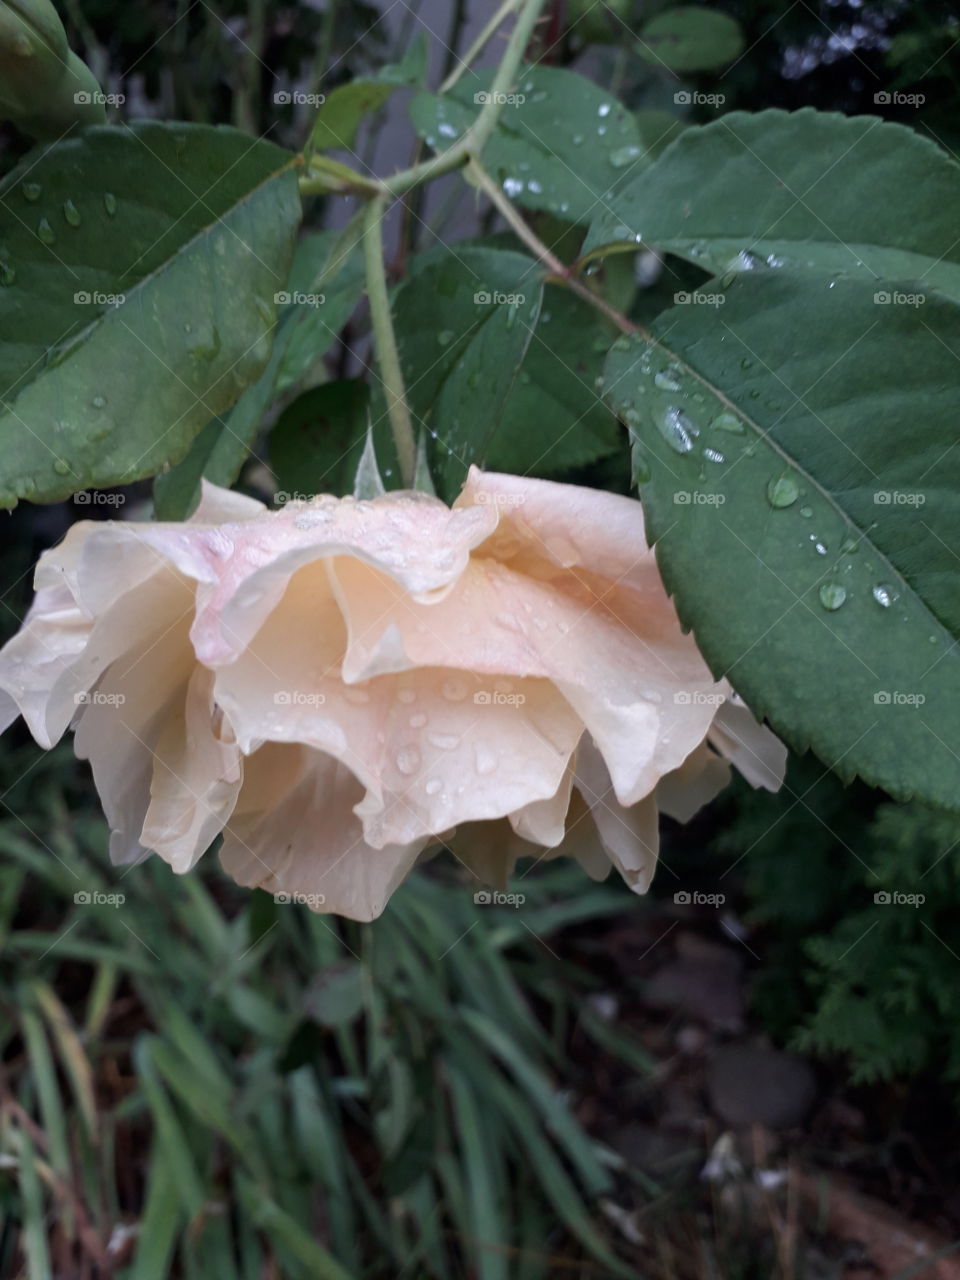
(226, 1086)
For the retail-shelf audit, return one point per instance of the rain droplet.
(32, 191)
(782, 491)
(110, 203)
(728, 422)
(885, 595)
(61, 468)
(712, 455)
(603, 109)
(512, 187)
(406, 695)
(455, 690)
(7, 274)
(445, 741)
(849, 545)
(832, 595)
(485, 759)
(677, 429)
(71, 213)
(806, 512)
(746, 363)
(666, 381)
(417, 721)
(99, 402)
(624, 156)
(433, 786)
(408, 760)
(445, 337)
(45, 232)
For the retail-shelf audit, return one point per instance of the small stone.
(748, 1085)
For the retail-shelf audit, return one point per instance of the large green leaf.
(464, 322)
(561, 144)
(797, 459)
(803, 189)
(316, 444)
(140, 267)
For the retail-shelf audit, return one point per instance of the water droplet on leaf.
(782, 491)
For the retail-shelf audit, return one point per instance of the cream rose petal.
(294, 832)
(630, 835)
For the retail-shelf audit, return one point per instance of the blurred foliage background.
(201, 1082)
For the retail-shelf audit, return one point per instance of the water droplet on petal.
(455, 690)
(832, 595)
(417, 721)
(408, 760)
(445, 741)
(485, 759)
(434, 785)
(783, 491)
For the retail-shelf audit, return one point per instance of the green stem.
(463, 63)
(474, 138)
(478, 176)
(386, 342)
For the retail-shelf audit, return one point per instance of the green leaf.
(563, 145)
(464, 322)
(794, 450)
(412, 67)
(804, 189)
(310, 320)
(316, 444)
(343, 111)
(192, 227)
(691, 38)
(554, 418)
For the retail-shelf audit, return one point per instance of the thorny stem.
(478, 176)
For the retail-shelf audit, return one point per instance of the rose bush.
(339, 686)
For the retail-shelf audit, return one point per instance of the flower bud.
(44, 88)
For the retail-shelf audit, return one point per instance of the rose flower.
(341, 686)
